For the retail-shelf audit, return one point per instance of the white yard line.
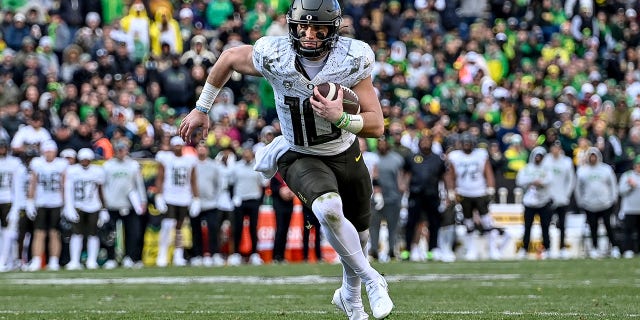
(312, 312)
(248, 279)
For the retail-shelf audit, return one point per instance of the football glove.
(194, 208)
(160, 204)
(103, 217)
(30, 209)
(13, 216)
(70, 213)
(378, 201)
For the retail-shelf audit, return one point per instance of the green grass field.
(573, 289)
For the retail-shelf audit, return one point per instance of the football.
(350, 102)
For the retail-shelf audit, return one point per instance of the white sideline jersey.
(349, 62)
(11, 172)
(121, 178)
(49, 181)
(177, 178)
(82, 186)
(469, 168)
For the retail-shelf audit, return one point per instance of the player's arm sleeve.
(139, 183)
(18, 185)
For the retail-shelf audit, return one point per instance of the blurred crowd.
(515, 74)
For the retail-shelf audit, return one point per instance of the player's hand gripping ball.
(350, 101)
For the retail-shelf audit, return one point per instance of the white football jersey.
(49, 181)
(469, 168)
(11, 171)
(177, 179)
(349, 62)
(81, 186)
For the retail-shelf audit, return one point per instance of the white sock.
(164, 238)
(178, 254)
(342, 235)
(351, 283)
(8, 238)
(54, 261)
(75, 248)
(93, 246)
(446, 236)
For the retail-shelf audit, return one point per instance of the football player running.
(318, 156)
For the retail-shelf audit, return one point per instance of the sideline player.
(472, 183)
(319, 157)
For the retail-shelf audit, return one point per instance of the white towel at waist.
(267, 157)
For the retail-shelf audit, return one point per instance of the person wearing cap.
(629, 186)
(596, 194)
(84, 209)
(17, 31)
(177, 196)
(126, 200)
(44, 203)
(12, 173)
(32, 134)
(563, 181)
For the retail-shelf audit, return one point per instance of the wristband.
(354, 123)
(207, 96)
(202, 109)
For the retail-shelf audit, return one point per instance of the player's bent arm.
(194, 183)
(239, 59)
(33, 180)
(370, 109)
(160, 178)
(488, 175)
(450, 181)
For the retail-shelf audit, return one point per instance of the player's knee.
(328, 208)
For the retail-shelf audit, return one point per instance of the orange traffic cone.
(266, 232)
(293, 251)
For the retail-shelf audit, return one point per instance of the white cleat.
(255, 259)
(615, 253)
(92, 265)
(110, 264)
(196, 262)
(234, 260)
(179, 262)
(73, 266)
(353, 310)
(218, 261)
(378, 292)
(127, 263)
(53, 267)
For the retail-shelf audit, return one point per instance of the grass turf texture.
(574, 289)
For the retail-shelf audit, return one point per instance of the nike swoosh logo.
(358, 157)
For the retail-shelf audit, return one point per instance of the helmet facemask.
(316, 13)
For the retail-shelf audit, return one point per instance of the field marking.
(317, 312)
(303, 280)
